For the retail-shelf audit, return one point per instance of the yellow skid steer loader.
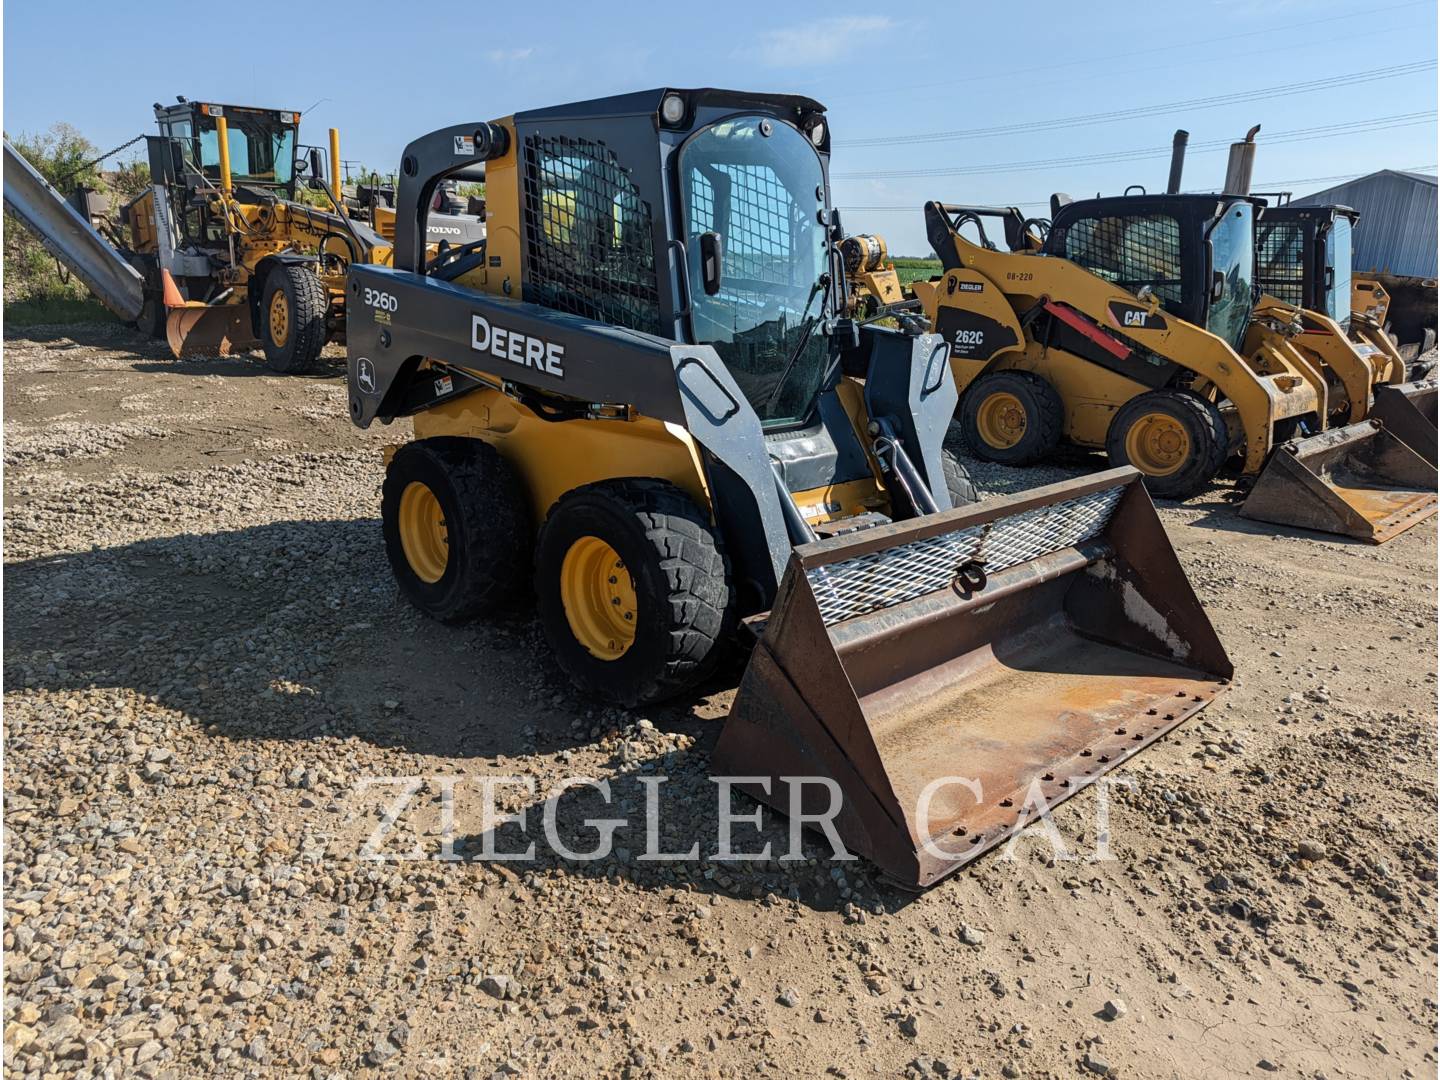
(643, 394)
(1303, 259)
(1130, 327)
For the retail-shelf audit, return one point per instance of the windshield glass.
(761, 193)
(1232, 245)
(262, 150)
(1338, 253)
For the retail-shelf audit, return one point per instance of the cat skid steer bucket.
(953, 675)
(1358, 480)
(1408, 412)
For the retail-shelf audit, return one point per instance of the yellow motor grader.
(645, 400)
(223, 251)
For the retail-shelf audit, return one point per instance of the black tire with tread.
(487, 524)
(685, 600)
(309, 302)
(1204, 425)
(957, 480)
(1044, 417)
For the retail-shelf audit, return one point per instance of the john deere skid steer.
(1132, 327)
(641, 395)
(1303, 260)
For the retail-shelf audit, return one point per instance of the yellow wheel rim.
(598, 594)
(1157, 444)
(1001, 420)
(279, 318)
(422, 533)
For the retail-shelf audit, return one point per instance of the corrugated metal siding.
(1397, 231)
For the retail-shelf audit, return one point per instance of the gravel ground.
(206, 659)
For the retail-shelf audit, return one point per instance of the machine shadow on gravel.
(292, 630)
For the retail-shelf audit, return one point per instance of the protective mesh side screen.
(882, 579)
(588, 235)
(1280, 261)
(1130, 252)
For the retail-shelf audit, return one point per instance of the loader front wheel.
(1178, 440)
(292, 319)
(1011, 417)
(457, 527)
(633, 590)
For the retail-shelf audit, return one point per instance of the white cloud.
(510, 56)
(820, 41)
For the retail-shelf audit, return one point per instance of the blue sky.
(398, 70)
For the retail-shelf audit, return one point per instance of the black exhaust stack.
(1177, 161)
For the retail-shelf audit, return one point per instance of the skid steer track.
(954, 675)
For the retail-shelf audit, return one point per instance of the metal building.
(1397, 229)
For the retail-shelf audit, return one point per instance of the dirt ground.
(213, 695)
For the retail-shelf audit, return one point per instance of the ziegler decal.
(518, 348)
(954, 285)
(1130, 317)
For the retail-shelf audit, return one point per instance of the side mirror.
(711, 260)
(1217, 286)
(317, 171)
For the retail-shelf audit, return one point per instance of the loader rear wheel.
(1011, 417)
(1178, 440)
(957, 480)
(633, 589)
(457, 527)
(292, 319)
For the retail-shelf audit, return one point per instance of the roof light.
(672, 109)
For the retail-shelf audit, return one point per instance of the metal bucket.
(1358, 481)
(197, 330)
(989, 661)
(1408, 412)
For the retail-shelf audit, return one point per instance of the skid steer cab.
(1129, 324)
(642, 396)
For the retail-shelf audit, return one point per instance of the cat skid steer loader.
(1303, 261)
(1131, 328)
(642, 394)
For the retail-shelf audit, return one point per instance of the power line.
(1010, 73)
(1354, 78)
(1379, 123)
(1261, 185)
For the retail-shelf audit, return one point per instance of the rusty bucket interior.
(955, 674)
(1408, 412)
(1358, 481)
(197, 330)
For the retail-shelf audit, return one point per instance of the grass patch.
(57, 310)
(908, 270)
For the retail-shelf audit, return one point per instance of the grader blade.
(1408, 412)
(954, 675)
(198, 330)
(1358, 481)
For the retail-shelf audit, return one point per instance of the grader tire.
(292, 319)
